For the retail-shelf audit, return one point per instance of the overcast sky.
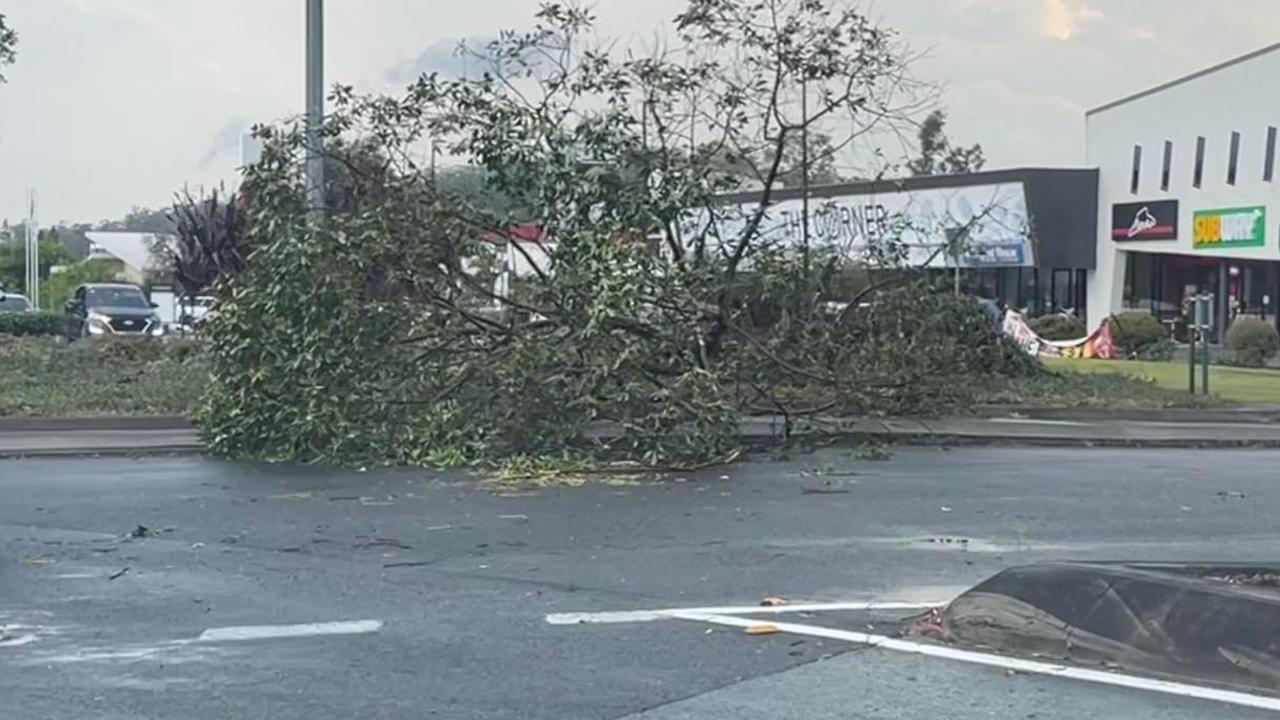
(117, 103)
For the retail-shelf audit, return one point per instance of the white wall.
(1240, 97)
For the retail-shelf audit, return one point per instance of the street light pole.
(315, 107)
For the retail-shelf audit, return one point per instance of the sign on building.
(1230, 227)
(1156, 220)
(991, 219)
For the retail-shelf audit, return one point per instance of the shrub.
(1253, 342)
(1158, 351)
(1135, 332)
(28, 324)
(1059, 327)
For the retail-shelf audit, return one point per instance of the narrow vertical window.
(1233, 160)
(1199, 174)
(1269, 163)
(1136, 178)
(1168, 165)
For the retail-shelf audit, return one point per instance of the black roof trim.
(895, 185)
(1185, 78)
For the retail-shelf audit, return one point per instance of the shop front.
(1163, 283)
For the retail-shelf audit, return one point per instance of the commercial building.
(1189, 198)
(1022, 236)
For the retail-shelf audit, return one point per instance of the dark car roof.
(119, 286)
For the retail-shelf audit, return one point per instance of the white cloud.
(116, 103)
(1061, 19)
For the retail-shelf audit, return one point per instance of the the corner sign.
(1157, 220)
(1230, 227)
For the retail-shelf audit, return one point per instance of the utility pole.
(315, 107)
(804, 169)
(33, 251)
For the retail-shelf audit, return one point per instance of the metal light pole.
(315, 107)
(33, 251)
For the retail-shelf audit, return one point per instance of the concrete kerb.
(1209, 623)
(140, 436)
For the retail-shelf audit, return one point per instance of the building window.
(1269, 163)
(1168, 165)
(1199, 176)
(1233, 161)
(1137, 169)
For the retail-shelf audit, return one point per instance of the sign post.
(1203, 325)
(1191, 336)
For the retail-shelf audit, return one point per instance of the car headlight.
(98, 324)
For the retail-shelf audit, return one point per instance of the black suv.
(111, 309)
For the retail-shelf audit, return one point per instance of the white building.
(1189, 198)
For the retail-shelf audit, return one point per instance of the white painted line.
(1030, 421)
(274, 632)
(17, 641)
(1007, 663)
(633, 616)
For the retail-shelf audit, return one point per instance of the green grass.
(1235, 385)
(40, 377)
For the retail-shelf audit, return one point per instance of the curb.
(1246, 415)
(136, 437)
(1209, 622)
(105, 422)
(962, 440)
(163, 450)
(175, 450)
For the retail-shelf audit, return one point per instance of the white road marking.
(273, 632)
(1007, 663)
(7, 641)
(633, 616)
(1030, 421)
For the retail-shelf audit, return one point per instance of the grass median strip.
(40, 377)
(1237, 385)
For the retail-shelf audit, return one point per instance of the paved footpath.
(1171, 428)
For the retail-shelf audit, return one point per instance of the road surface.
(304, 593)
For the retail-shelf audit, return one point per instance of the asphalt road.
(460, 578)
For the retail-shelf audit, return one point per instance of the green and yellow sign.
(1230, 228)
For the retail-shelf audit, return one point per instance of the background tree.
(8, 45)
(938, 156)
(59, 288)
(13, 260)
(822, 163)
(141, 220)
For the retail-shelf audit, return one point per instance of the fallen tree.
(399, 330)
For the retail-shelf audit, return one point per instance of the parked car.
(14, 303)
(192, 312)
(112, 309)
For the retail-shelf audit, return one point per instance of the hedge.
(1059, 327)
(1137, 332)
(33, 323)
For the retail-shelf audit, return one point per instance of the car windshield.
(14, 303)
(122, 297)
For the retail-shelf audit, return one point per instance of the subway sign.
(1230, 228)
